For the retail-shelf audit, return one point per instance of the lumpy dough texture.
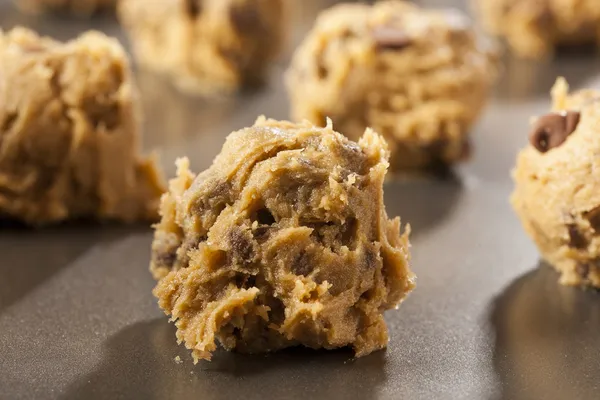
(283, 241)
(533, 28)
(416, 76)
(69, 132)
(206, 46)
(76, 7)
(557, 194)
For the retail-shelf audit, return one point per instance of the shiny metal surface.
(78, 321)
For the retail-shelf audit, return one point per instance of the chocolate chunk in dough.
(576, 238)
(193, 8)
(583, 270)
(551, 130)
(390, 38)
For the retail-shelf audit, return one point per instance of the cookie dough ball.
(557, 194)
(283, 241)
(76, 7)
(533, 28)
(69, 132)
(206, 46)
(416, 76)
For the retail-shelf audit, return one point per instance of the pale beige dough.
(533, 28)
(283, 241)
(206, 47)
(417, 76)
(557, 192)
(69, 132)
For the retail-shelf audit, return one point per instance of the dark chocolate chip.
(551, 130)
(390, 38)
(9, 121)
(349, 233)
(593, 217)
(241, 247)
(583, 270)
(193, 8)
(167, 258)
(576, 239)
(322, 71)
(261, 232)
(572, 120)
(302, 264)
(370, 258)
(245, 18)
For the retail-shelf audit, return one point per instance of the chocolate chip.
(241, 246)
(245, 18)
(370, 258)
(302, 264)
(193, 8)
(576, 239)
(166, 259)
(583, 270)
(348, 233)
(572, 120)
(390, 38)
(322, 72)
(593, 217)
(551, 130)
(9, 121)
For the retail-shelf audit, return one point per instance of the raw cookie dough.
(206, 46)
(283, 241)
(416, 76)
(76, 7)
(69, 132)
(557, 194)
(533, 28)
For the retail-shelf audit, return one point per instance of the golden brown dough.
(417, 76)
(283, 241)
(69, 132)
(533, 28)
(206, 46)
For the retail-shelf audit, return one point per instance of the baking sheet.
(77, 319)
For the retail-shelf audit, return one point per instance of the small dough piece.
(416, 76)
(283, 241)
(557, 193)
(206, 46)
(82, 8)
(533, 28)
(69, 132)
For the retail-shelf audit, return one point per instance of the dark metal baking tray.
(78, 321)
